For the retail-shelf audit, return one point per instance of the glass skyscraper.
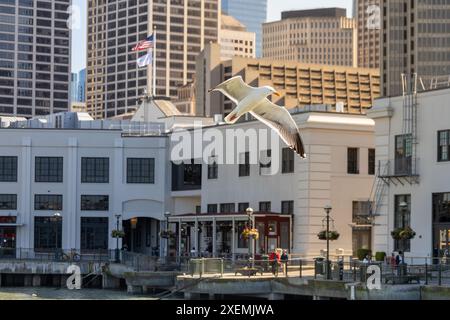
(252, 13)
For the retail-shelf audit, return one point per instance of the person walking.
(284, 260)
(274, 261)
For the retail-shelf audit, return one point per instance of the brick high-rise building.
(114, 82)
(34, 57)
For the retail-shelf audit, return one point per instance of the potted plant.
(332, 235)
(403, 233)
(117, 234)
(250, 233)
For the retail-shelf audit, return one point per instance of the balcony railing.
(400, 167)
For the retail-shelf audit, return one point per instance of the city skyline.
(274, 9)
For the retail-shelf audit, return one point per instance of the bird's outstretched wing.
(235, 89)
(279, 119)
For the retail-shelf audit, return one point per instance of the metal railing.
(57, 255)
(399, 167)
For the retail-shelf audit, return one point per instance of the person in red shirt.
(274, 259)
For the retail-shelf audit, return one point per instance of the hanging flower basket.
(332, 235)
(403, 234)
(167, 234)
(117, 234)
(250, 233)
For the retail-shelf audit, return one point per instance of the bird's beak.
(277, 94)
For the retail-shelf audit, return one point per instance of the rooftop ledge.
(383, 112)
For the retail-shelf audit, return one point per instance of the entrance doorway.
(361, 239)
(442, 241)
(7, 237)
(141, 236)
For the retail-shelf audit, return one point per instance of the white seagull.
(254, 101)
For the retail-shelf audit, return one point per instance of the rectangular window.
(287, 161)
(403, 154)
(243, 206)
(265, 206)
(50, 202)
(361, 212)
(8, 201)
(94, 234)
(94, 203)
(8, 169)
(141, 170)
(352, 161)
(94, 170)
(371, 163)
(244, 164)
(212, 208)
(48, 169)
(402, 219)
(47, 233)
(227, 208)
(443, 145)
(287, 207)
(213, 168)
(265, 162)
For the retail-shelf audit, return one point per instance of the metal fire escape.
(403, 169)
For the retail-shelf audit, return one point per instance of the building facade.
(88, 182)
(414, 40)
(318, 36)
(114, 82)
(73, 87)
(287, 194)
(81, 90)
(34, 57)
(413, 159)
(251, 13)
(368, 19)
(300, 84)
(235, 40)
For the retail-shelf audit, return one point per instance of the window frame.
(41, 178)
(140, 178)
(439, 146)
(95, 177)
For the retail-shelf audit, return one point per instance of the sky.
(273, 13)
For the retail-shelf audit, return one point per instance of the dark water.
(41, 293)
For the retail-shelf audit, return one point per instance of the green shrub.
(362, 253)
(380, 256)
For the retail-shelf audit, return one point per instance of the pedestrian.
(274, 261)
(284, 260)
(398, 258)
(392, 261)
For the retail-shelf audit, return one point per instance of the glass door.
(442, 247)
(7, 241)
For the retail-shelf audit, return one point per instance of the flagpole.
(154, 63)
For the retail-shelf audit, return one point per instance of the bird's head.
(269, 90)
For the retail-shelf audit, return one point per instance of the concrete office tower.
(235, 40)
(322, 36)
(114, 27)
(368, 19)
(34, 57)
(300, 84)
(251, 13)
(415, 40)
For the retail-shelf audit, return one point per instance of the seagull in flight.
(254, 101)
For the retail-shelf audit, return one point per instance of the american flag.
(144, 44)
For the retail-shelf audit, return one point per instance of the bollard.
(301, 266)
(440, 273)
(426, 273)
(221, 267)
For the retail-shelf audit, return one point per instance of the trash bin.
(319, 266)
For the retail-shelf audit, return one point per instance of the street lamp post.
(328, 210)
(251, 246)
(403, 208)
(117, 238)
(167, 215)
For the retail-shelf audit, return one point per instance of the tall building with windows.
(235, 40)
(415, 40)
(81, 90)
(300, 84)
(251, 13)
(114, 82)
(322, 36)
(34, 57)
(368, 19)
(73, 87)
